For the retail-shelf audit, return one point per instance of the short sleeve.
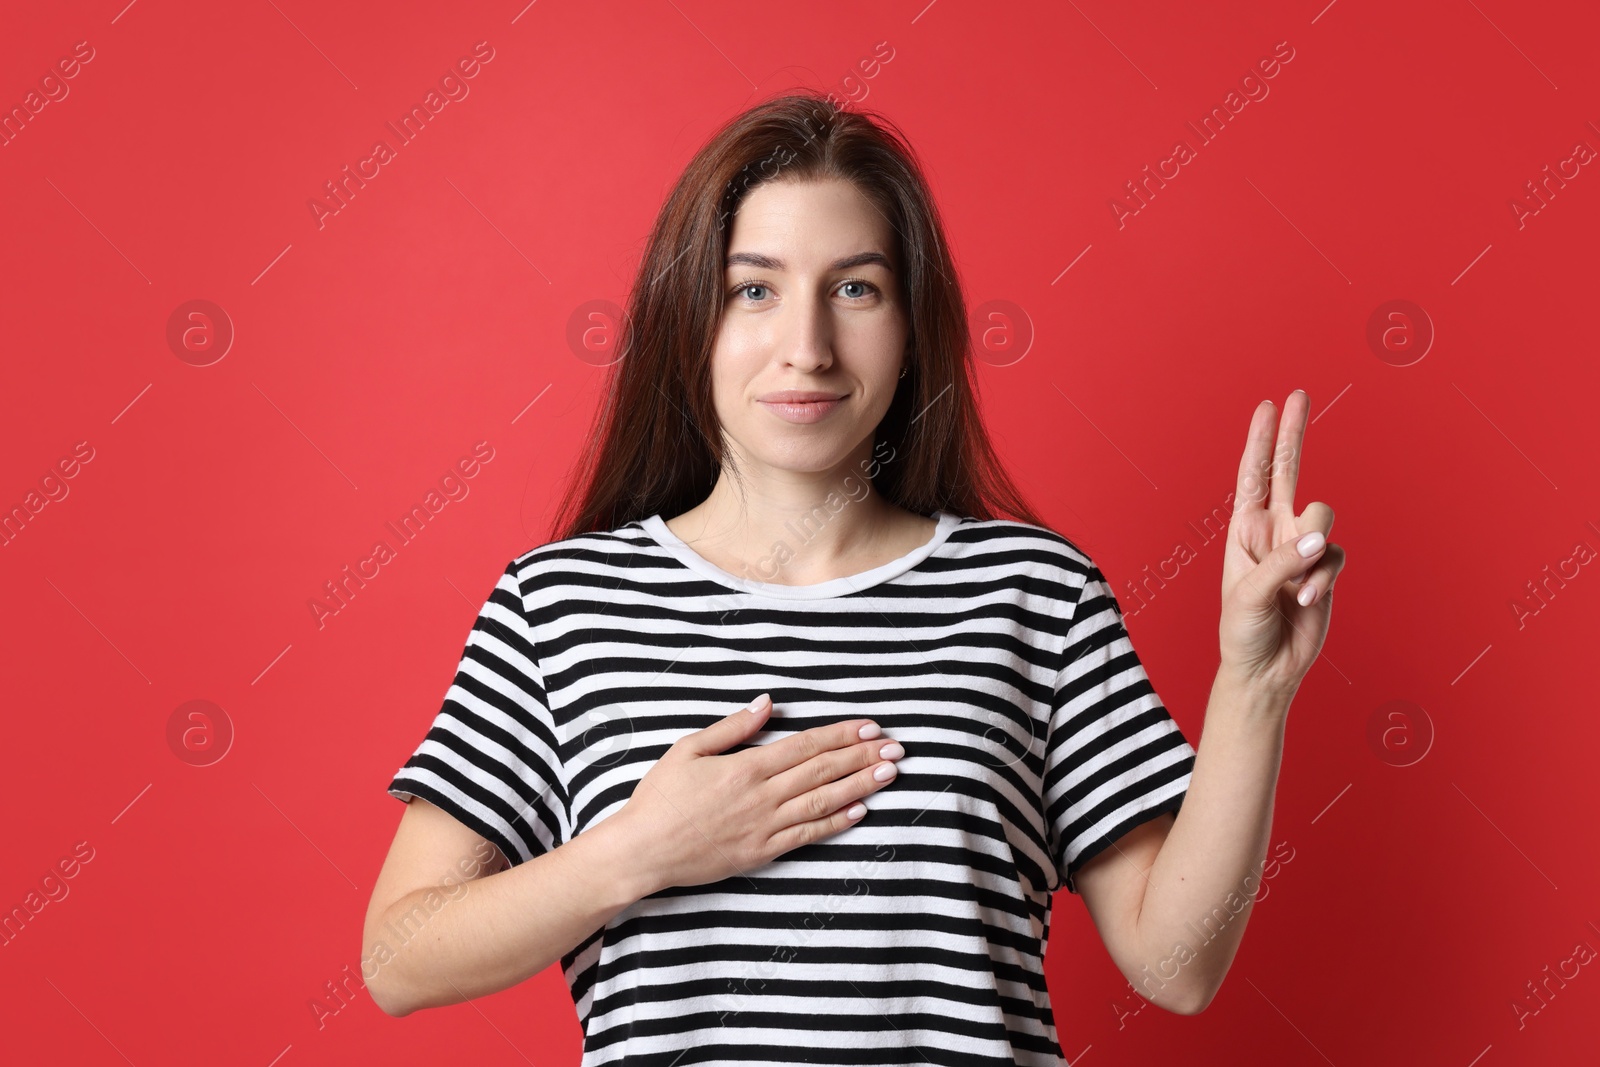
(491, 756)
(1114, 757)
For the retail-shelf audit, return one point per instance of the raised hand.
(700, 815)
(1276, 598)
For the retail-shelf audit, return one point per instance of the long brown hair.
(656, 443)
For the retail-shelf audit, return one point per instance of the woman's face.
(811, 302)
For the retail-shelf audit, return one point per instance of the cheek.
(731, 374)
(739, 355)
(725, 398)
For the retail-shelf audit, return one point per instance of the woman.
(790, 496)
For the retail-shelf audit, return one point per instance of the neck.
(788, 527)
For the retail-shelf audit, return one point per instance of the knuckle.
(809, 744)
(790, 838)
(760, 851)
(817, 805)
(819, 773)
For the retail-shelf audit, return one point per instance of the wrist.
(1253, 695)
(630, 874)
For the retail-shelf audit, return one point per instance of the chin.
(811, 457)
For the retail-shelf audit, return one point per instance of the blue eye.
(748, 284)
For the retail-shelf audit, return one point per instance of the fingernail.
(855, 811)
(891, 751)
(759, 704)
(885, 772)
(1306, 596)
(1310, 544)
(869, 731)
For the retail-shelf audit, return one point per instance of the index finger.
(1255, 466)
(795, 749)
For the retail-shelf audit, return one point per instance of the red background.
(373, 351)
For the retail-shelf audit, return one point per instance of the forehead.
(808, 226)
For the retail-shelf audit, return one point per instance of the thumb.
(732, 729)
(1289, 560)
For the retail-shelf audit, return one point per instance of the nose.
(807, 336)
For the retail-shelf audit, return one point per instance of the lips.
(803, 411)
(798, 396)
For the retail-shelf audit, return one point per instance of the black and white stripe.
(996, 654)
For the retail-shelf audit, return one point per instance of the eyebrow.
(765, 262)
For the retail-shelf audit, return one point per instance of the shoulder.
(593, 553)
(1026, 546)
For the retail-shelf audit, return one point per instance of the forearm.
(491, 933)
(1200, 891)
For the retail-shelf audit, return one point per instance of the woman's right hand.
(699, 816)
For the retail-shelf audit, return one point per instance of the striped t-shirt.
(995, 653)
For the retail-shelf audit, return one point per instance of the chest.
(964, 686)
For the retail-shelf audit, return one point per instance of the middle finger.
(1286, 456)
(830, 766)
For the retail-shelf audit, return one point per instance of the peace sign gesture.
(1267, 635)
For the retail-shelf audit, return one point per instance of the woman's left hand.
(1267, 635)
